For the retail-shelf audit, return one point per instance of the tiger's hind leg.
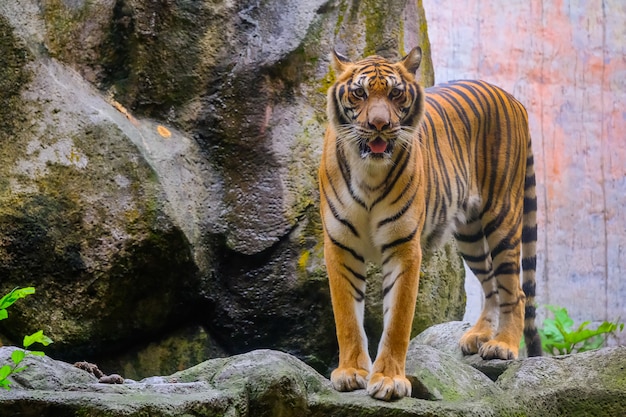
(503, 234)
(475, 251)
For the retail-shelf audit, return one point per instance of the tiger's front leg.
(401, 266)
(346, 274)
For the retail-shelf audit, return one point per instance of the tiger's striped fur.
(401, 168)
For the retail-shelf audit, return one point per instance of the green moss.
(343, 6)
(375, 13)
(61, 25)
(401, 47)
(327, 81)
(426, 72)
(155, 54)
(14, 77)
(92, 233)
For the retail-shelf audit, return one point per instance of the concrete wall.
(566, 61)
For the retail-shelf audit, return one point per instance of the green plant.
(18, 355)
(559, 338)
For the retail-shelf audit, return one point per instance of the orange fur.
(401, 168)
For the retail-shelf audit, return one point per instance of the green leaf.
(3, 314)
(15, 295)
(5, 371)
(607, 327)
(583, 325)
(561, 316)
(17, 356)
(591, 344)
(36, 353)
(37, 337)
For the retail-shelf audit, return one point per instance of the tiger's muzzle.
(379, 143)
(376, 148)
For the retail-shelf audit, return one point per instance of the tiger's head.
(375, 105)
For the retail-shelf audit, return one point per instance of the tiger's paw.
(349, 379)
(474, 339)
(388, 388)
(495, 349)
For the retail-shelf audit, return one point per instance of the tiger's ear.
(413, 59)
(339, 62)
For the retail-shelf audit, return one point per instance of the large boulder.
(271, 383)
(83, 217)
(158, 174)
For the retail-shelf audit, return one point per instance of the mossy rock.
(216, 225)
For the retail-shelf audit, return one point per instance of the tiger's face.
(375, 105)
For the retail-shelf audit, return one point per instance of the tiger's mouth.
(377, 148)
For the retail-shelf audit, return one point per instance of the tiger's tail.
(529, 256)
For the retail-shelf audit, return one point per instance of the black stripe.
(393, 182)
(346, 174)
(336, 215)
(406, 187)
(445, 180)
(530, 204)
(530, 263)
(475, 238)
(504, 245)
(491, 294)
(398, 214)
(360, 295)
(351, 251)
(400, 241)
(477, 271)
(338, 107)
(358, 276)
(529, 289)
(389, 287)
(487, 278)
(529, 234)
(332, 186)
(496, 223)
(501, 287)
(512, 304)
(476, 258)
(507, 268)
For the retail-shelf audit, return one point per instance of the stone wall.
(565, 60)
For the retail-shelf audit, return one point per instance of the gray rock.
(436, 375)
(271, 383)
(583, 384)
(159, 172)
(83, 217)
(44, 373)
(446, 336)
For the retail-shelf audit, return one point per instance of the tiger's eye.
(396, 92)
(359, 92)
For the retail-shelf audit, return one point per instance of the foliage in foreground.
(559, 338)
(18, 355)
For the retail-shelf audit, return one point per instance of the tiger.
(402, 169)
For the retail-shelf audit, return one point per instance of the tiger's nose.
(378, 117)
(379, 123)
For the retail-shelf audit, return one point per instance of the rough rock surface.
(158, 174)
(271, 383)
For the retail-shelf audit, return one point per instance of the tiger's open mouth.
(377, 148)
